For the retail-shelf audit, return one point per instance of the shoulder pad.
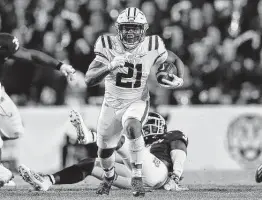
(155, 43)
(104, 41)
(176, 135)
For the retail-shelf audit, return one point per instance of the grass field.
(206, 185)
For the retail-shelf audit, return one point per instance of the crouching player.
(165, 156)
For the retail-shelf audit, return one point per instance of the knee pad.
(105, 153)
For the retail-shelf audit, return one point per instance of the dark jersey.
(161, 148)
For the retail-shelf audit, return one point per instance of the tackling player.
(125, 61)
(165, 157)
(11, 126)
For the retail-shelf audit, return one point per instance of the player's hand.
(176, 82)
(68, 71)
(118, 61)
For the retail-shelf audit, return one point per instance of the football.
(163, 70)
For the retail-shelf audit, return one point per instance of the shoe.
(105, 186)
(39, 181)
(173, 184)
(5, 175)
(258, 175)
(137, 186)
(84, 135)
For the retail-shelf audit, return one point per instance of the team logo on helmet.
(244, 140)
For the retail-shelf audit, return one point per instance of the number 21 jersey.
(127, 84)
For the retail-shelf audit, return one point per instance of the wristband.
(59, 65)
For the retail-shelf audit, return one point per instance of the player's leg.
(69, 175)
(155, 172)
(84, 135)
(10, 120)
(132, 121)
(108, 134)
(122, 180)
(10, 128)
(5, 174)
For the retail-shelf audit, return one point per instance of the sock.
(178, 157)
(74, 174)
(52, 179)
(108, 165)
(136, 149)
(91, 136)
(123, 152)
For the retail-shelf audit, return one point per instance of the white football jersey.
(127, 84)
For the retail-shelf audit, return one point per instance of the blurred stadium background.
(218, 106)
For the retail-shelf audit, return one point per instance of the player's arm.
(101, 66)
(178, 151)
(172, 57)
(43, 59)
(97, 71)
(165, 55)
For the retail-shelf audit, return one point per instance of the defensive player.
(11, 126)
(125, 61)
(165, 157)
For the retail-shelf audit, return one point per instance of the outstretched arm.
(37, 57)
(43, 59)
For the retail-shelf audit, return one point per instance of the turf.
(207, 185)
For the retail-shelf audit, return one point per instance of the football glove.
(174, 83)
(118, 61)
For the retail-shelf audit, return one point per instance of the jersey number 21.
(130, 74)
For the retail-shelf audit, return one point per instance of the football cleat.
(84, 135)
(105, 187)
(5, 175)
(137, 186)
(258, 175)
(39, 181)
(173, 184)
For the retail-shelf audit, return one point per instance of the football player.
(125, 61)
(165, 157)
(11, 126)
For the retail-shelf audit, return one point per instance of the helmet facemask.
(154, 128)
(131, 34)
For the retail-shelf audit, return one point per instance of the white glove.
(176, 82)
(68, 71)
(118, 61)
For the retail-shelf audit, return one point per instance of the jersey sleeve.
(161, 51)
(176, 135)
(101, 51)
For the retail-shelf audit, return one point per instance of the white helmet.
(131, 26)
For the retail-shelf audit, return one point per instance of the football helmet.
(154, 128)
(131, 26)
